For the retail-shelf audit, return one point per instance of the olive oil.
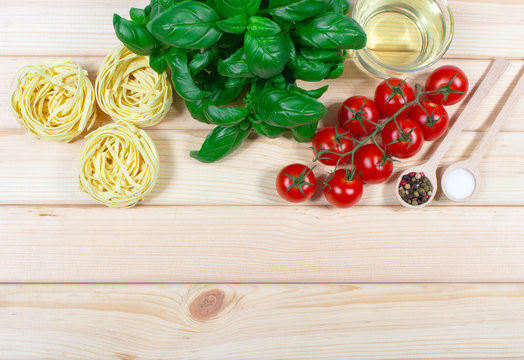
(394, 38)
(403, 35)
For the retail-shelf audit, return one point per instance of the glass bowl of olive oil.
(404, 36)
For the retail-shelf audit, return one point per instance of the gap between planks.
(46, 172)
(261, 244)
(85, 28)
(353, 82)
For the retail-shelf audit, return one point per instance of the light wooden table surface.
(224, 223)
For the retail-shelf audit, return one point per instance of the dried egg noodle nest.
(119, 165)
(54, 100)
(128, 89)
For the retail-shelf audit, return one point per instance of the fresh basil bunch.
(217, 49)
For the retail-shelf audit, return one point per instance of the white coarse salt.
(459, 184)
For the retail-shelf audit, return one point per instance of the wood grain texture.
(482, 241)
(353, 82)
(61, 28)
(46, 172)
(58, 28)
(261, 244)
(219, 322)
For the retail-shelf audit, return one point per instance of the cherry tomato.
(405, 143)
(371, 165)
(296, 183)
(453, 80)
(391, 95)
(358, 115)
(343, 192)
(336, 140)
(434, 125)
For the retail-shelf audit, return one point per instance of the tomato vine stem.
(358, 143)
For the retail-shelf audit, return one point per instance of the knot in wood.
(207, 305)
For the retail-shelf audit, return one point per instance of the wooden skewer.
(472, 163)
(429, 168)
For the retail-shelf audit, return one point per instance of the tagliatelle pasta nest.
(54, 100)
(128, 89)
(119, 165)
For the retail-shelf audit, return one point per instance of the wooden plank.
(46, 173)
(55, 28)
(189, 322)
(261, 244)
(353, 82)
(486, 29)
(61, 28)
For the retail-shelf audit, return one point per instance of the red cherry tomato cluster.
(402, 131)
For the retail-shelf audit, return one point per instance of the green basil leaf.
(166, 4)
(220, 94)
(258, 86)
(299, 10)
(235, 66)
(277, 3)
(277, 82)
(234, 25)
(158, 63)
(187, 25)
(290, 44)
(202, 59)
(304, 133)
(285, 25)
(226, 95)
(331, 31)
(235, 82)
(286, 108)
(301, 68)
(316, 93)
(134, 36)
(156, 8)
(279, 79)
(138, 15)
(267, 55)
(230, 8)
(181, 76)
(336, 72)
(196, 109)
(268, 130)
(323, 55)
(260, 26)
(221, 142)
(341, 7)
(225, 116)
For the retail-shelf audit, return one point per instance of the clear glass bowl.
(404, 36)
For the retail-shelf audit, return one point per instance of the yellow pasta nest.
(119, 165)
(54, 100)
(128, 89)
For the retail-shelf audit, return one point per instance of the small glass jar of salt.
(459, 184)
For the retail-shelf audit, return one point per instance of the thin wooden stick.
(494, 74)
(504, 114)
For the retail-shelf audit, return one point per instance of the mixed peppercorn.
(415, 188)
